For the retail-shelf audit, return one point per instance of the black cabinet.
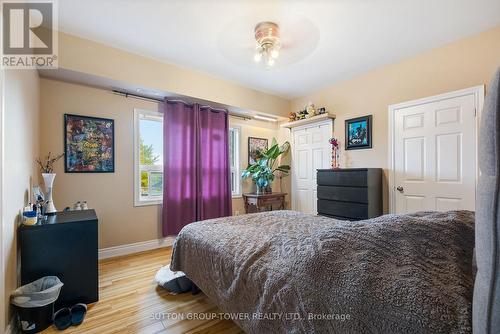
(65, 246)
(350, 194)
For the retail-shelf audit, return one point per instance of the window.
(148, 157)
(234, 160)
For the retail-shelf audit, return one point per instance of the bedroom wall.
(462, 64)
(21, 147)
(85, 56)
(120, 223)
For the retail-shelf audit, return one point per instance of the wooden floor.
(131, 302)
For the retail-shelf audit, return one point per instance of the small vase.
(335, 158)
(48, 179)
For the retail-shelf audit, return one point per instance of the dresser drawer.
(345, 194)
(334, 217)
(343, 209)
(270, 201)
(358, 178)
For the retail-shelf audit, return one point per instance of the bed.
(287, 272)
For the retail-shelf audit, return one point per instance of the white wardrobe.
(311, 150)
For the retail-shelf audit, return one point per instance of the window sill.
(147, 203)
(151, 203)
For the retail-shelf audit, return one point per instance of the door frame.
(476, 91)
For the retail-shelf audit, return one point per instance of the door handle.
(400, 189)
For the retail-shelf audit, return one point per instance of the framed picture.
(89, 144)
(358, 133)
(256, 146)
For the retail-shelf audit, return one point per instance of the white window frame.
(138, 115)
(235, 169)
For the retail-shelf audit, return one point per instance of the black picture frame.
(251, 142)
(68, 167)
(365, 137)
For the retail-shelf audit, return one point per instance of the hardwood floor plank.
(131, 302)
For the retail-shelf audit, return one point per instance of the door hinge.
(475, 112)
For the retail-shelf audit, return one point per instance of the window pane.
(156, 183)
(144, 183)
(233, 182)
(234, 160)
(151, 142)
(150, 157)
(231, 146)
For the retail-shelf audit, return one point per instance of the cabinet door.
(68, 251)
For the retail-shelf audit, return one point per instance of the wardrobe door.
(311, 151)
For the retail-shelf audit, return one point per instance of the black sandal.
(62, 318)
(78, 312)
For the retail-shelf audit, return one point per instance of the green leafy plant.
(263, 170)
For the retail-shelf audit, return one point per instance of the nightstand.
(264, 202)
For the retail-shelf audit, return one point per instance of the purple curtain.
(196, 165)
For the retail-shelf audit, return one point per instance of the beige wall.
(82, 55)
(112, 194)
(21, 134)
(465, 63)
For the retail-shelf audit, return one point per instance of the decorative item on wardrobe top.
(307, 116)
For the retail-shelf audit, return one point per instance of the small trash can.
(34, 303)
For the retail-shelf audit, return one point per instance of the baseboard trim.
(106, 253)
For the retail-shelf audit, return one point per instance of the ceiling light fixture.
(265, 118)
(267, 36)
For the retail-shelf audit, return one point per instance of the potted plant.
(263, 170)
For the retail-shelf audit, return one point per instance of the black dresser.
(65, 246)
(350, 194)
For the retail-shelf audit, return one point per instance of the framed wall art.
(358, 133)
(256, 146)
(89, 144)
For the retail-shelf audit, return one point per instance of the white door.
(435, 154)
(311, 151)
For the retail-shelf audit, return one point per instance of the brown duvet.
(288, 272)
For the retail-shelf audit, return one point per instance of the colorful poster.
(89, 144)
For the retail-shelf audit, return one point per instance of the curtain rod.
(152, 99)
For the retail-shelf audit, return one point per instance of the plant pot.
(260, 190)
(263, 190)
(48, 179)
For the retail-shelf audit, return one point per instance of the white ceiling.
(326, 41)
